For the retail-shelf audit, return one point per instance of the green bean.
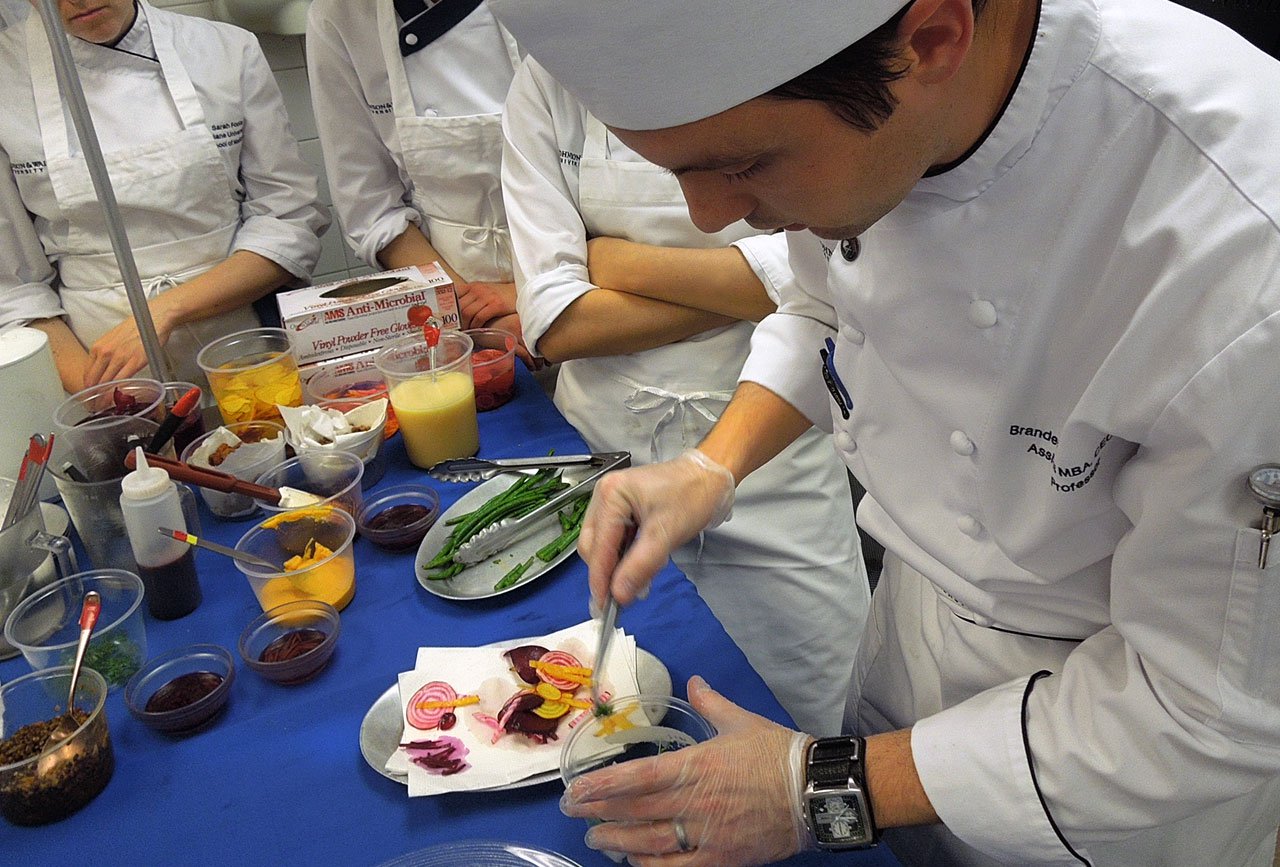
(516, 573)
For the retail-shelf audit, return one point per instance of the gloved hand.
(666, 504)
(736, 796)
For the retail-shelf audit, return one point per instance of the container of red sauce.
(493, 366)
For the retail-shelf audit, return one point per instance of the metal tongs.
(502, 535)
(478, 469)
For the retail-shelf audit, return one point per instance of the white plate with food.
(484, 579)
(382, 728)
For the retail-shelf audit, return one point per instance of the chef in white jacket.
(219, 207)
(785, 575)
(408, 102)
(1042, 303)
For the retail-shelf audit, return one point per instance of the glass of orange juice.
(250, 373)
(433, 395)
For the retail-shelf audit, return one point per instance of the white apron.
(455, 165)
(180, 170)
(919, 657)
(785, 575)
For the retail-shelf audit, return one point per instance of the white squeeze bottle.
(150, 500)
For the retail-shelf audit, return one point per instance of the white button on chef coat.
(969, 525)
(961, 443)
(853, 335)
(982, 313)
(845, 442)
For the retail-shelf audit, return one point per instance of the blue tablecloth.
(279, 777)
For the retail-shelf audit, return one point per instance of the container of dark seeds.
(43, 781)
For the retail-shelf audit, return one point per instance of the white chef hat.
(651, 64)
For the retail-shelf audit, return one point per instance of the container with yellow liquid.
(434, 398)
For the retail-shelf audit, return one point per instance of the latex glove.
(737, 795)
(666, 505)
(481, 303)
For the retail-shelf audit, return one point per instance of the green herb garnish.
(114, 657)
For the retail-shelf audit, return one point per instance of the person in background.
(13, 12)
(408, 100)
(219, 207)
(651, 320)
(1040, 258)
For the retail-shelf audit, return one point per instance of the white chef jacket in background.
(785, 575)
(409, 140)
(13, 12)
(222, 102)
(1063, 356)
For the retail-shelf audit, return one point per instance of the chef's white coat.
(1063, 357)
(464, 75)
(130, 102)
(785, 575)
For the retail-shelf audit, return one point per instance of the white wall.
(288, 61)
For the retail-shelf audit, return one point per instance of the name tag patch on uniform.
(1065, 477)
(839, 393)
(228, 134)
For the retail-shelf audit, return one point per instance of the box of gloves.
(364, 313)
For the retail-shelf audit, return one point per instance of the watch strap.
(834, 761)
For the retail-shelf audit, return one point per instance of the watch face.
(837, 819)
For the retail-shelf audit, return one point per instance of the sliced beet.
(517, 716)
(520, 657)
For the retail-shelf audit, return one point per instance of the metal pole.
(69, 82)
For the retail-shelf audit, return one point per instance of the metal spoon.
(67, 724)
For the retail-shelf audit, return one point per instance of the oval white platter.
(383, 727)
(477, 582)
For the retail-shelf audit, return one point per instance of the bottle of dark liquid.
(149, 500)
(172, 589)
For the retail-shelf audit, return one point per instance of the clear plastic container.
(251, 373)
(194, 661)
(227, 505)
(51, 784)
(331, 474)
(289, 535)
(433, 395)
(46, 625)
(493, 366)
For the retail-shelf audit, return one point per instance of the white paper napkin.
(485, 672)
(244, 455)
(357, 430)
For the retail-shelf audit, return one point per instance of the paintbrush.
(199, 542)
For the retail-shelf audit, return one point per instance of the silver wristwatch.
(837, 808)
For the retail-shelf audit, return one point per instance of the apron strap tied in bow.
(649, 397)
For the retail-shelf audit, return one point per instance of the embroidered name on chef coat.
(228, 134)
(831, 377)
(1043, 444)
